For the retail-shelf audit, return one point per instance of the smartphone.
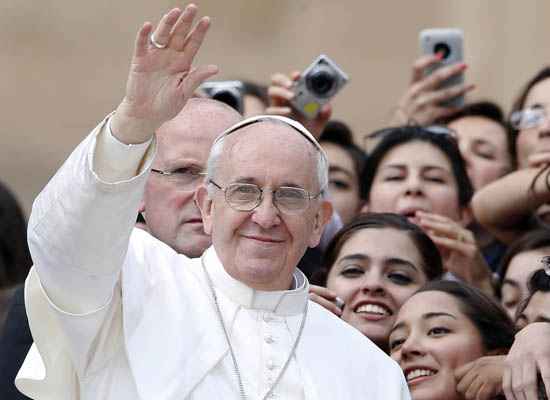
(317, 85)
(449, 42)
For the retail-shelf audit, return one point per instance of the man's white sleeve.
(81, 222)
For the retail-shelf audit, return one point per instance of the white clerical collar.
(280, 302)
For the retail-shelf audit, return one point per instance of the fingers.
(507, 384)
(182, 27)
(280, 95)
(189, 82)
(283, 111)
(439, 96)
(465, 375)
(295, 75)
(435, 79)
(162, 32)
(420, 65)
(528, 383)
(544, 369)
(142, 40)
(194, 41)
(474, 388)
(323, 291)
(326, 304)
(282, 80)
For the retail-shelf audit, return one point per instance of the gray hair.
(217, 150)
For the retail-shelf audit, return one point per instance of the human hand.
(458, 248)
(529, 353)
(421, 101)
(481, 379)
(161, 80)
(325, 298)
(280, 94)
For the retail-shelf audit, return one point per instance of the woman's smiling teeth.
(370, 308)
(417, 373)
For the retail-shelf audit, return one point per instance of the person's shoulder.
(153, 259)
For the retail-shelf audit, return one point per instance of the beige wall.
(63, 62)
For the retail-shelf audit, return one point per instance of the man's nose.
(266, 214)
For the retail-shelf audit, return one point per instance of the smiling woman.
(373, 265)
(442, 327)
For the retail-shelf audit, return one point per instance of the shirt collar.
(280, 302)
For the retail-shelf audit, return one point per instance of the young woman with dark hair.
(536, 307)
(439, 336)
(419, 173)
(519, 262)
(373, 265)
(515, 204)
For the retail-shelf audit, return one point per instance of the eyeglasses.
(247, 197)
(528, 118)
(186, 179)
(372, 139)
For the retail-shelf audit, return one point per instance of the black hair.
(432, 265)
(539, 281)
(493, 324)
(15, 258)
(410, 133)
(488, 110)
(532, 240)
(340, 134)
(256, 90)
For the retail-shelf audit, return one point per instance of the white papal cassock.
(117, 314)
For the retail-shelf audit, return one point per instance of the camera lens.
(228, 97)
(321, 81)
(442, 48)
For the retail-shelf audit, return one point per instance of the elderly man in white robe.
(118, 314)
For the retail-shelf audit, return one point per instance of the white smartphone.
(449, 42)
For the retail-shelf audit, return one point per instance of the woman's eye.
(339, 184)
(399, 279)
(510, 303)
(393, 178)
(484, 154)
(351, 272)
(438, 331)
(435, 179)
(394, 344)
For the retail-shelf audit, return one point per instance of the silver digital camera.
(317, 85)
(228, 92)
(448, 42)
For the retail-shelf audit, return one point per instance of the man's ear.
(203, 201)
(321, 220)
(365, 208)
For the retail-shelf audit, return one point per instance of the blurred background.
(64, 63)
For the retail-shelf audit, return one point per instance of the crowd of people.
(187, 250)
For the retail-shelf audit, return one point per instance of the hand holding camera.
(437, 85)
(281, 93)
(305, 96)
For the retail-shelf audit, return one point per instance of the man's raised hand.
(161, 80)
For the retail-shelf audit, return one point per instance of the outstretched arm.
(505, 206)
(81, 223)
